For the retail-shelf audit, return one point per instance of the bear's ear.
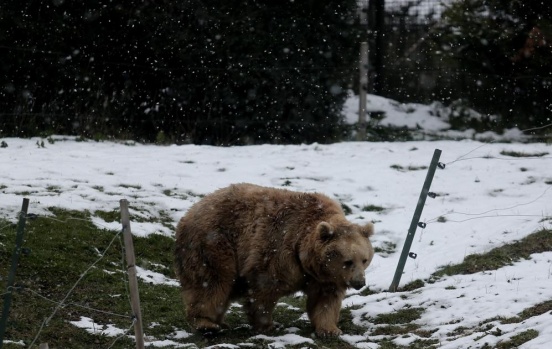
(325, 231)
(367, 230)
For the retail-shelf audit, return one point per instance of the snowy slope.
(486, 198)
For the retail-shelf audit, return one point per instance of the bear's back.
(242, 210)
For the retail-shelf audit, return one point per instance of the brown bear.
(257, 243)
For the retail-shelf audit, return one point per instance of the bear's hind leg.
(205, 308)
(207, 296)
(207, 276)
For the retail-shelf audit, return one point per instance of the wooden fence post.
(132, 279)
(15, 262)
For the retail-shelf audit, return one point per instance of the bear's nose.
(358, 284)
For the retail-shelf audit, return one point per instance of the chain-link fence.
(417, 55)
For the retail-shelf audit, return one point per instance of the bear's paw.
(333, 331)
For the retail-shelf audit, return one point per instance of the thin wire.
(495, 216)
(506, 159)
(39, 331)
(494, 210)
(537, 128)
(480, 214)
(463, 157)
(77, 305)
(78, 219)
(508, 208)
(7, 225)
(122, 335)
(83, 275)
(8, 291)
(60, 304)
(66, 220)
(75, 219)
(422, 234)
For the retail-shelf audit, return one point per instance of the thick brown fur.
(257, 243)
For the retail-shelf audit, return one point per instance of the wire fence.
(485, 214)
(444, 217)
(22, 287)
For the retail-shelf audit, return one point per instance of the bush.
(504, 49)
(217, 72)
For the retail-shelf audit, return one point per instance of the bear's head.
(340, 253)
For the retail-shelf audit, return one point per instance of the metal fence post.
(415, 220)
(14, 263)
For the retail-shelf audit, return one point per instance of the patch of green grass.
(417, 344)
(395, 330)
(174, 193)
(54, 189)
(538, 242)
(61, 250)
(372, 208)
(535, 310)
(191, 193)
(133, 186)
(59, 253)
(346, 209)
(409, 168)
(401, 316)
(459, 331)
(413, 285)
(109, 216)
(517, 340)
(518, 154)
(386, 248)
(346, 323)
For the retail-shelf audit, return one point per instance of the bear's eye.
(348, 264)
(364, 261)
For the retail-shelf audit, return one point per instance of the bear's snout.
(358, 284)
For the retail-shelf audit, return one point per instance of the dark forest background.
(234, 72)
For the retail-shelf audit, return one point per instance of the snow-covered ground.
(486, 198)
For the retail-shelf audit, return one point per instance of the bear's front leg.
(323, 307)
